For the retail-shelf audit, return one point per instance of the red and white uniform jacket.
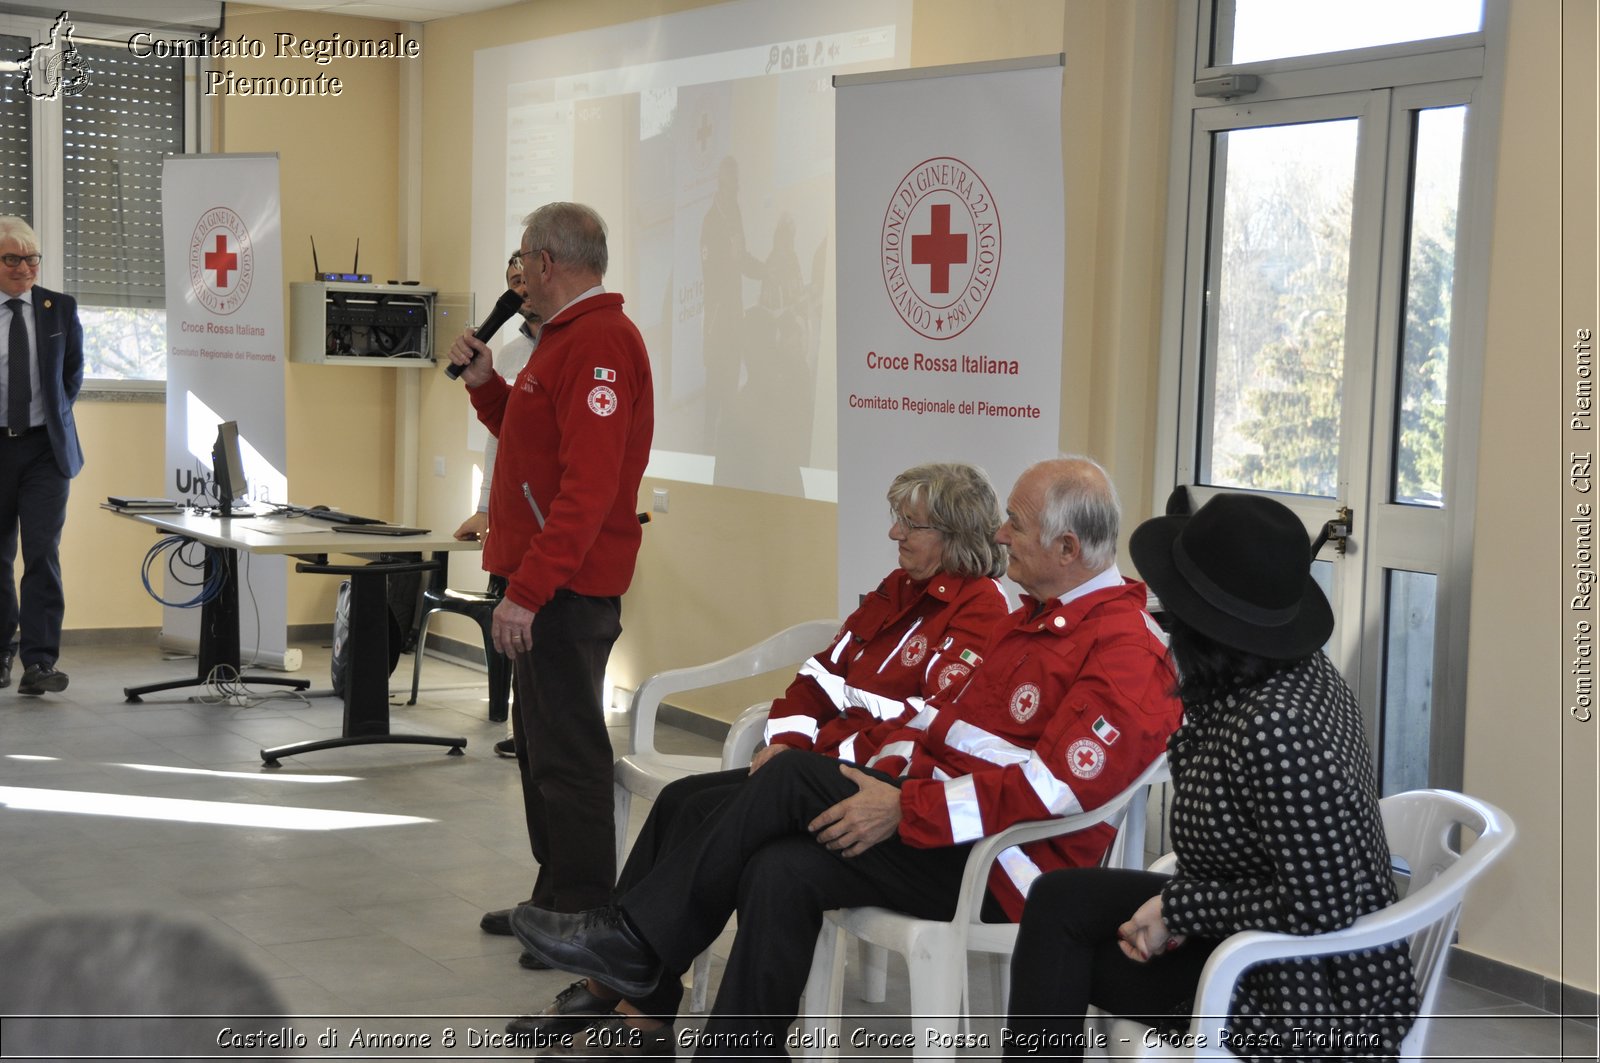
(1071, 703)
(908, 639)
(574, 435)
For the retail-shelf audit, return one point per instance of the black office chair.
(478, 606)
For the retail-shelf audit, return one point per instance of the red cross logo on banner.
(940, 216)
(222, 261)
(939, 249)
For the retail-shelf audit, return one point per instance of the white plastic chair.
(936, 952)
(646, 770)
(1419, 825)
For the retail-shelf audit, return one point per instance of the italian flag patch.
(1105, 732)
(971, 658)
(609, 375)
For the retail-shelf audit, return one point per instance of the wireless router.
(351, 278)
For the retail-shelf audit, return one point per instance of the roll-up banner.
(952, 256)
(225, 352)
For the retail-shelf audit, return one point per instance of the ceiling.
(397, 10)
(206, 13)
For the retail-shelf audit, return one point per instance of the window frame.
(49, 164)
(1475, 59)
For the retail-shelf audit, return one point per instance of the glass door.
(1317, 335)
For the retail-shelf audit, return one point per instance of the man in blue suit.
(40, 373)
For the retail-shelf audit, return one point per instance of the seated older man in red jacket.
(1073, 699)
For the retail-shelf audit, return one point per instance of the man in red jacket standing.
(573, 431)
(1074, 698)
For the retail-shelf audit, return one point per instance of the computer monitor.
(227, 468)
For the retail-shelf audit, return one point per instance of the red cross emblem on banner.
(939, 249)
(222, 261)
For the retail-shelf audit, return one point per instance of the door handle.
(1336, 531)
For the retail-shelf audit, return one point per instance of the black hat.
(1239, 572)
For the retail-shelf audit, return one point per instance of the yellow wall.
(124, 454)
(1523, 752)
(725, 565)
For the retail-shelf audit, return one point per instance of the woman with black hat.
(1275, 821)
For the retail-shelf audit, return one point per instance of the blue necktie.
(19, 390)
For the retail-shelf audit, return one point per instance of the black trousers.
(564, 752)
(756, 857)
(1067, 958)
(33, 503)
(675, 815)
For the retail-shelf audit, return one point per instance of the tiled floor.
(367, 921)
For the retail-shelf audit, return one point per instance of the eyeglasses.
(13, 261)
(897, 519)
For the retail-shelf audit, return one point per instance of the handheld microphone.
(505, 306)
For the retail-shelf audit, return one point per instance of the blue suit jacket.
(60, 340)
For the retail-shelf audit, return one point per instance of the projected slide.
(705, 140)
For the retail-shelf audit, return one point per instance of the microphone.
(505, 306)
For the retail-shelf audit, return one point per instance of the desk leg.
(366, 686)
(219, 639)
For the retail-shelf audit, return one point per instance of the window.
(1321, 328)
(85, 170)
(113, 142)
(1251, 31)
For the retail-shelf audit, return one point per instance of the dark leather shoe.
(42, 679)
(7, 655)
(612, 1038)
(506, 747)
(572, 1009)
(496, 922)
(531, 962)
(599, 944)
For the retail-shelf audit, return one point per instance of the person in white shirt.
(509, 361)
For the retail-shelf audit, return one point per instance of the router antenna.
(356, 267)
(315, 266)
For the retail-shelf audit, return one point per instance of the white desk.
(366, 691)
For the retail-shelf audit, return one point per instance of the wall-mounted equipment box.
(342, 323)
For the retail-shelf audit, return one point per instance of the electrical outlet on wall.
(658, 502)
(438, 464)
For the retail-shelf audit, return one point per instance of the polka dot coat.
(1276, 827)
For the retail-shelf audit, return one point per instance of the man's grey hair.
(962, 506)
(1081, 499)
(14, 228)
(154, 970)
(572, 233)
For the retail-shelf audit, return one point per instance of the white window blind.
(16, 137)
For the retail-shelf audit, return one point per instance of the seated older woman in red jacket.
(921, 631)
